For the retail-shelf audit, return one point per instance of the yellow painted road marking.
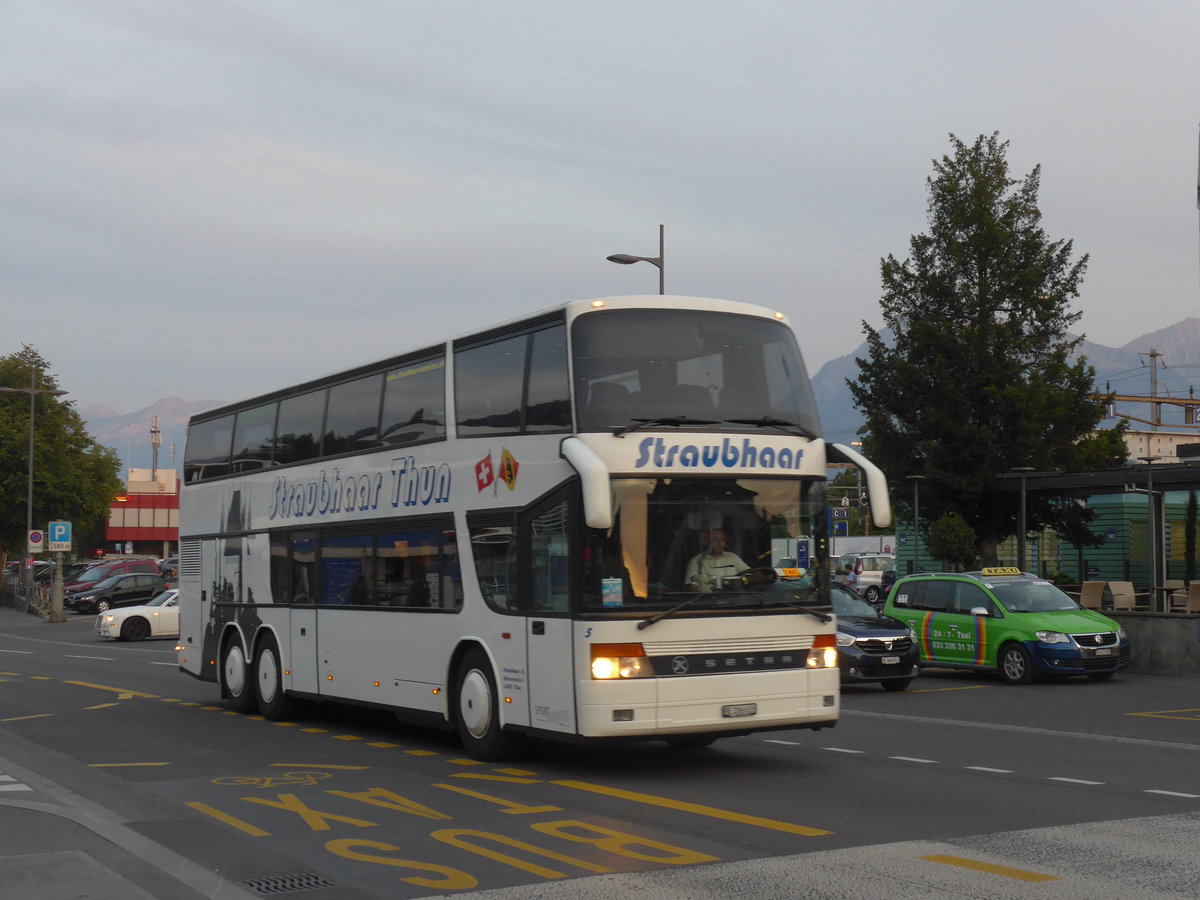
(1188, 715)
(421, 752)
(970, 687)
(383, 745)
(126, 765)
(314, 730)
(694, 808)
(464, 762)
(511, 779)
(346, 737)
(100, 706)
(251, 830)
(23, 718)
(122, 693)
(979, 866)
(318, 766)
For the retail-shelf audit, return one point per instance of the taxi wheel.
(1015, 665)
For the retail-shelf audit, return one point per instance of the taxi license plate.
(890, 660)
(738, 710)
(1105, 651)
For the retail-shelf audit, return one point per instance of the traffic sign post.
(37, 542)
(59, 543)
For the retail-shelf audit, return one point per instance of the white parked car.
(158, 618)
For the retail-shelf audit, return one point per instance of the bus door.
(548, 625)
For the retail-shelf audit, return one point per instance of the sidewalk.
(57, 846)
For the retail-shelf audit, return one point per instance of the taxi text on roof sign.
(1001, 570)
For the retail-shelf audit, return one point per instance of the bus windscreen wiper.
(771, 422)
(646, 623)
(672, 421)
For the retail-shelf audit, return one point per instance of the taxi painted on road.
(1008, 621)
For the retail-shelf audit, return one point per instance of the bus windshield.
(720, 369)
(723, 541)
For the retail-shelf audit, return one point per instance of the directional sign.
(37, 541)
(60, 536)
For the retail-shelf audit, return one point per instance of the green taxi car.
(1008, 621)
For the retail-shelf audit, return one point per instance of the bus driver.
(705, 571)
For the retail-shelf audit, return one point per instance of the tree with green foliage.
(74, 478)
(951, 540)
(976, 377)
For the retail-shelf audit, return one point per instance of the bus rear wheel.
(268, 681)
(235, 676)
(477, 710)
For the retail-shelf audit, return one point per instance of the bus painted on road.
(607, 520)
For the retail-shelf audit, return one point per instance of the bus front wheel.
(477, 713)
(235, 677)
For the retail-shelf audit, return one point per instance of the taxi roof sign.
(1001, 570)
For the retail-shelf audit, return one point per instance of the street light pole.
(1022, 528)
(625, 259)
(33, 390)
(916, 480)
(1152, 528)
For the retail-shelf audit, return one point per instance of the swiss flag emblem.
(485, 475)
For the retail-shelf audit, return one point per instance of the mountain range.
(1123, 370)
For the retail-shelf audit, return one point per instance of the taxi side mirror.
(980, 611)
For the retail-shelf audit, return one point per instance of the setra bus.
(607, 520)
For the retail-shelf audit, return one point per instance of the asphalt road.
(961, 786)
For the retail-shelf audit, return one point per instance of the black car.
(872, 646)
(116, 590)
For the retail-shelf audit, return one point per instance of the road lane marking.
(75, 656)
(23, 718)
(989, 769)
(126, 765)
(694, 808)
(979, 866)
(122, 693)
(970, 687)
(842, 750)
(913, 759)
(1173, 794)
(1073, 780)
(319, 766)
(785, 743)
(1193, 715)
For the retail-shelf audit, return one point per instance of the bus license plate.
(737, 710)
(891, 660)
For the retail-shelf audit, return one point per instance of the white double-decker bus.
(607, 520)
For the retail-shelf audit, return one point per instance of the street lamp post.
(1022, 528)
(1152, 528)
(625, 259)
(33, 390)
(916, 480)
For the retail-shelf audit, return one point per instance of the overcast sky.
(214, 199)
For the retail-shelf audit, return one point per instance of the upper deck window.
(513, 385)
(712, 366)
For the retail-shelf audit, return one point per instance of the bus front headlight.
(613, 661)
(823, 654)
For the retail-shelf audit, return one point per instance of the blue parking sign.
(59, 536)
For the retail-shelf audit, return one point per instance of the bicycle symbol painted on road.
(271, 781)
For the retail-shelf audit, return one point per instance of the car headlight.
(88, 597)
(912, 634)
(1053, 637)
(1120, 634)
(845, 640)
(108, 618)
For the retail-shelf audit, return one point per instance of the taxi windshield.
(1032, 597)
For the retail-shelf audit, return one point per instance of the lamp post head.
(625, 259)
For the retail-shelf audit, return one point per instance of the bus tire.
(273, 703)
(477, 709)
(235, 676)
(1016, 667)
